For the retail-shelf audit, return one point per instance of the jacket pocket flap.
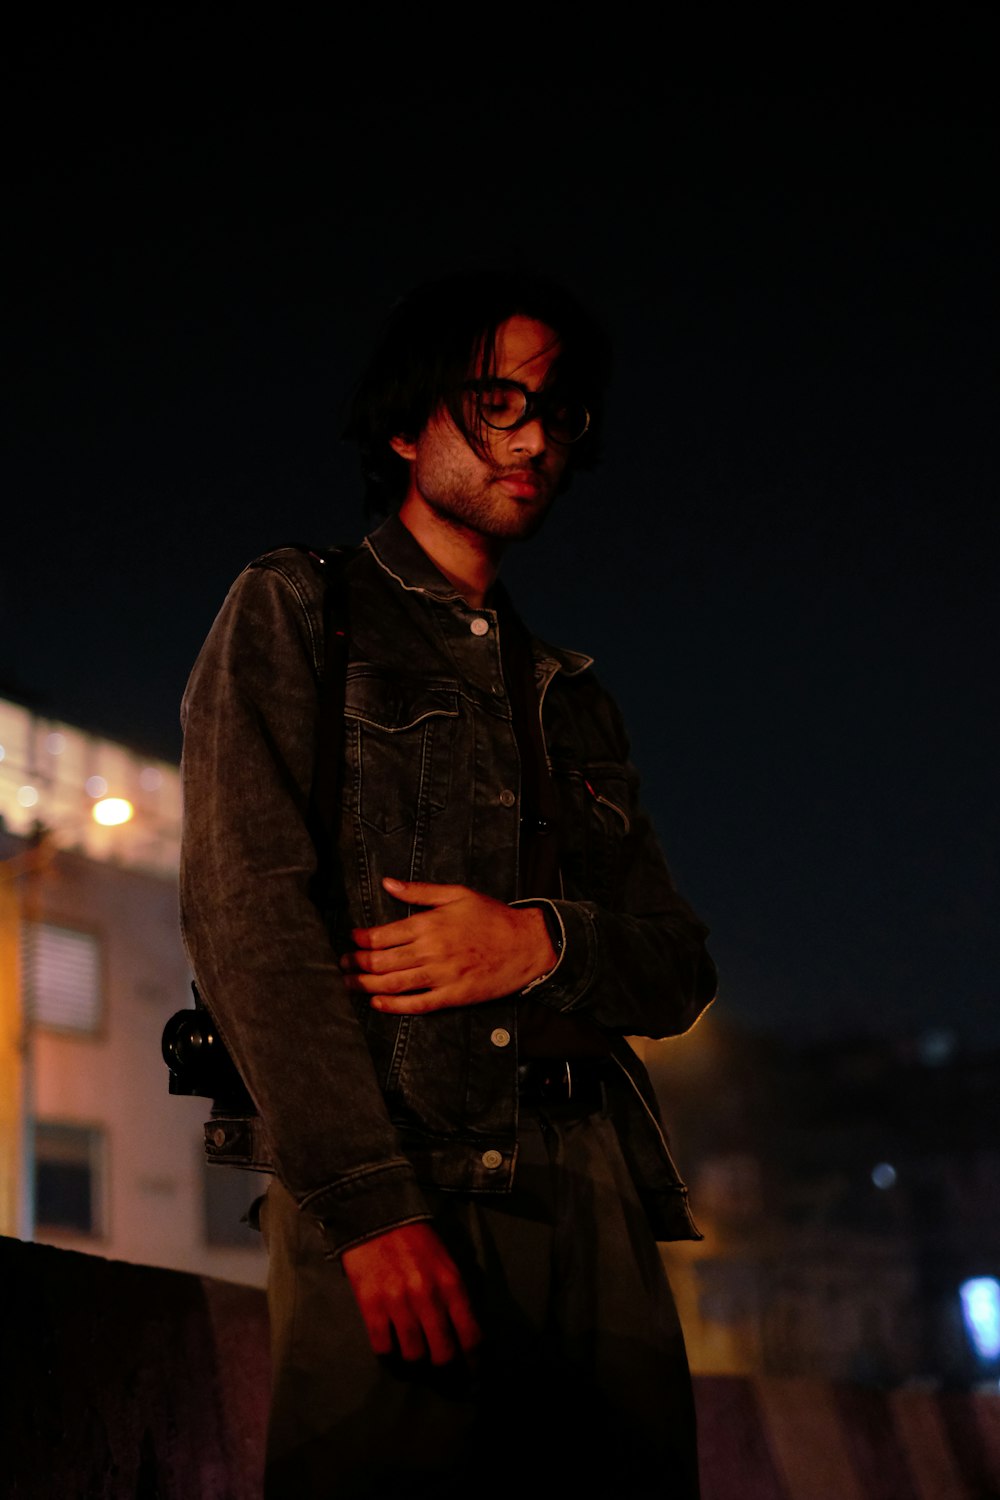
(393, 704)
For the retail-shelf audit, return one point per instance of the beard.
(482, 505)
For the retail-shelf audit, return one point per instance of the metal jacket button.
(500, 1037)
(492, 1159)
(507, 797)
(479, 626)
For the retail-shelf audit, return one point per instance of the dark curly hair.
(443, 334)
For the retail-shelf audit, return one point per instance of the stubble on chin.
(489, 512)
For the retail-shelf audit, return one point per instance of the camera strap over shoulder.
(191, 1045)
(324, 795)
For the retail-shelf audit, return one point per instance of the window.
(62, 977)
(69, 1171)
(228, 1194)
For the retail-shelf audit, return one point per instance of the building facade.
(95, 1154)
(849, 1195)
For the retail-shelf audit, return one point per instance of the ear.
(404, 446)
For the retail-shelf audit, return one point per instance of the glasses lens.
(565, 421)
(502, 404)
(499, 404)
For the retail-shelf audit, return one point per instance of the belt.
(571, 1083)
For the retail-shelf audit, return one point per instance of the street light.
(110, 812)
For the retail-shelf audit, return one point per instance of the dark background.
(786, 567)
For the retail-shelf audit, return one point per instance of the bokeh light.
(111, 811)
(981, 1314)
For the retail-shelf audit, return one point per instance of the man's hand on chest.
(462, 949)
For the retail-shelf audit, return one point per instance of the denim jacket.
(359, 1111)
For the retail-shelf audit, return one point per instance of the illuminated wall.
(95, 1155)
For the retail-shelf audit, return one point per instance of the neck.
(467, 559)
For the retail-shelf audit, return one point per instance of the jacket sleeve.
(637, 966)
(257, 943)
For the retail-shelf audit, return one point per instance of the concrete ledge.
(127, 1381)
(123, 1382)
(799, 1439)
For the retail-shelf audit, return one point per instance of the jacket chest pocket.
(398, 749)
(595, 804)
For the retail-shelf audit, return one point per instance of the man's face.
(506, 494)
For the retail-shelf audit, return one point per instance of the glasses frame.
(535, 403)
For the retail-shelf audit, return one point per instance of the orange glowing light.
(111, 811)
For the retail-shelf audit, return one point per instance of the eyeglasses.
(504, 405)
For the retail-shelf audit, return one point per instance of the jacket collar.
(559, 658)
(398, 553)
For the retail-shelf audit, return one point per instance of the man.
(464, 1286)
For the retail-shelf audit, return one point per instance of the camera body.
(198, 1060)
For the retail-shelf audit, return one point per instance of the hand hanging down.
(412, 1298)
(463, 949)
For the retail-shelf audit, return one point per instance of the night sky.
(786, 566)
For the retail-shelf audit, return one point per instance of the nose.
(529, 438)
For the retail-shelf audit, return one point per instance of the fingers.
(463, 1321)
(380, 1332)
(437, 1335)
(424, 892)
(419, 1003)
(397, 1329)
(389, 935)
(411, 1296)
(414, 893)
(396, 982)
(410, 992)
(379, 960)
(447, 1322)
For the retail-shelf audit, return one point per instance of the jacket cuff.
(565, 985)
(367, 1204)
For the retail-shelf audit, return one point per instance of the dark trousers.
(582, 1386)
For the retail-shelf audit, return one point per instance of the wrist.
(542, 922)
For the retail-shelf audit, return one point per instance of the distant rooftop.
(52, 775)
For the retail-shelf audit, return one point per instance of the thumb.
(423, 892)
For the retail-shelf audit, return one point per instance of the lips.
(523, 484)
